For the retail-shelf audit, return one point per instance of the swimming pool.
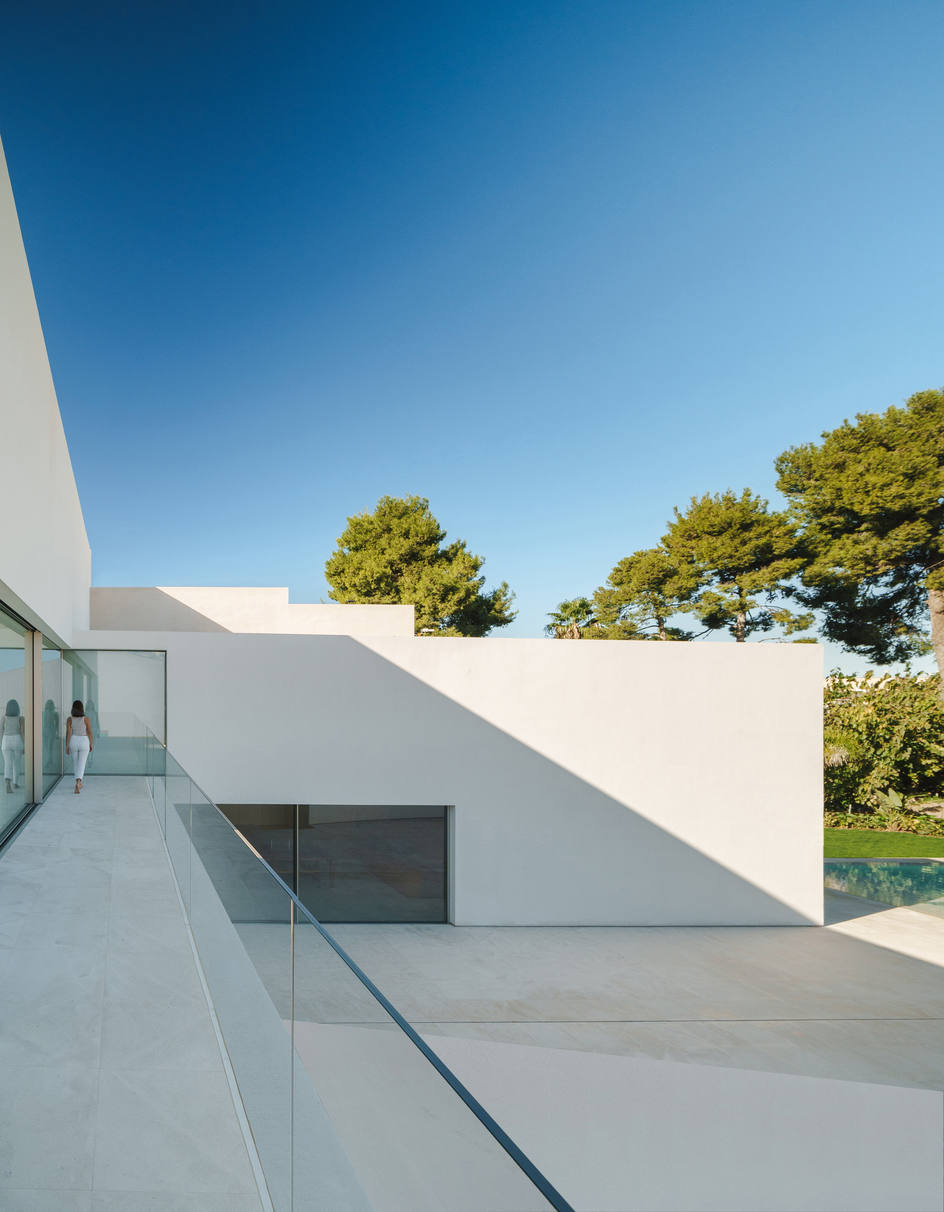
(890, 881)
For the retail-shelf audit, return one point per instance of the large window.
(123, 692)
(16, 788)
(346, 863)
(372, 863)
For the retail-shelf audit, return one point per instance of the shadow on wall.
(540, 844)
(534, 844)
(152, 610)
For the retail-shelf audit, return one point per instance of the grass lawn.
(873, 843)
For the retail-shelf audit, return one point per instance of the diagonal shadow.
(154, 610)
(533, 842)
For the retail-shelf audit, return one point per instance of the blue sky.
(555, 267)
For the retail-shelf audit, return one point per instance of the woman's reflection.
(12, 745)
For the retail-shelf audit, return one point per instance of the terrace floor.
(861, 999)
(113, 1094)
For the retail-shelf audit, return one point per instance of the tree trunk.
(660, 624)
(740, 627)
(936, 607)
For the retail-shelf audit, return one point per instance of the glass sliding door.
(16, 785)
(52, 716)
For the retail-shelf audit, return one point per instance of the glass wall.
(372, 863)
(16, 789)
(53, 723)
(123, 693)
(354, 863)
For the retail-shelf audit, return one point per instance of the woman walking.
(12, 744)
(79, 741)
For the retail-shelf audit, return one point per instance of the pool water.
(889, 881)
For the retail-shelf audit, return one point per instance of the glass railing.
(349, 1109)
(121, 744)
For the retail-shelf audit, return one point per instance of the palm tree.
(570, 619)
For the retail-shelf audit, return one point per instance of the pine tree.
(744, 556)
(641, 594)
(398, 554)
(870, 502)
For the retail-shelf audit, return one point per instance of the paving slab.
(114, 1094)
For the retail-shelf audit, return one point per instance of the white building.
(561, 764)
(572, 785)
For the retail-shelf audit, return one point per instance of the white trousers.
(12, 749)
(79, 751)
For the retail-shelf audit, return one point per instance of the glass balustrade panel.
(177, 824)
(411, 1140)
(346, 1109)
(234, 904)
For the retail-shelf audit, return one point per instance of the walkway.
(112, 1089)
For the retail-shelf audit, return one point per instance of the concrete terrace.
(632, 1065)
(860, 1000)
(114, 1093)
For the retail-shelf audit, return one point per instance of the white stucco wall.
(245, 610)
(45, 569)
(603, 783)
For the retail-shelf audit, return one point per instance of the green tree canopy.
(398, 555)
(744, 555)
(642, 593)
(883, 740)
(870, 501)
(571, 620)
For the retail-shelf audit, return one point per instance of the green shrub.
(883, 741)
(902, 820)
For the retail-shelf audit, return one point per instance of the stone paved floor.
(112, 1089)
(861, 999)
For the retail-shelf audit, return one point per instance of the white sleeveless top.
(78, 726)
(11, 725)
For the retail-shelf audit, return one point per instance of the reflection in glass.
(13, 746)
(16, 791)
(347, 863)
(52, 715)
(123, 693)
(372, 863)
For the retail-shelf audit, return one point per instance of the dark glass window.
(372, 864)
(369, 863)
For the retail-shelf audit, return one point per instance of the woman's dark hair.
(77, 709)
(13, 707)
